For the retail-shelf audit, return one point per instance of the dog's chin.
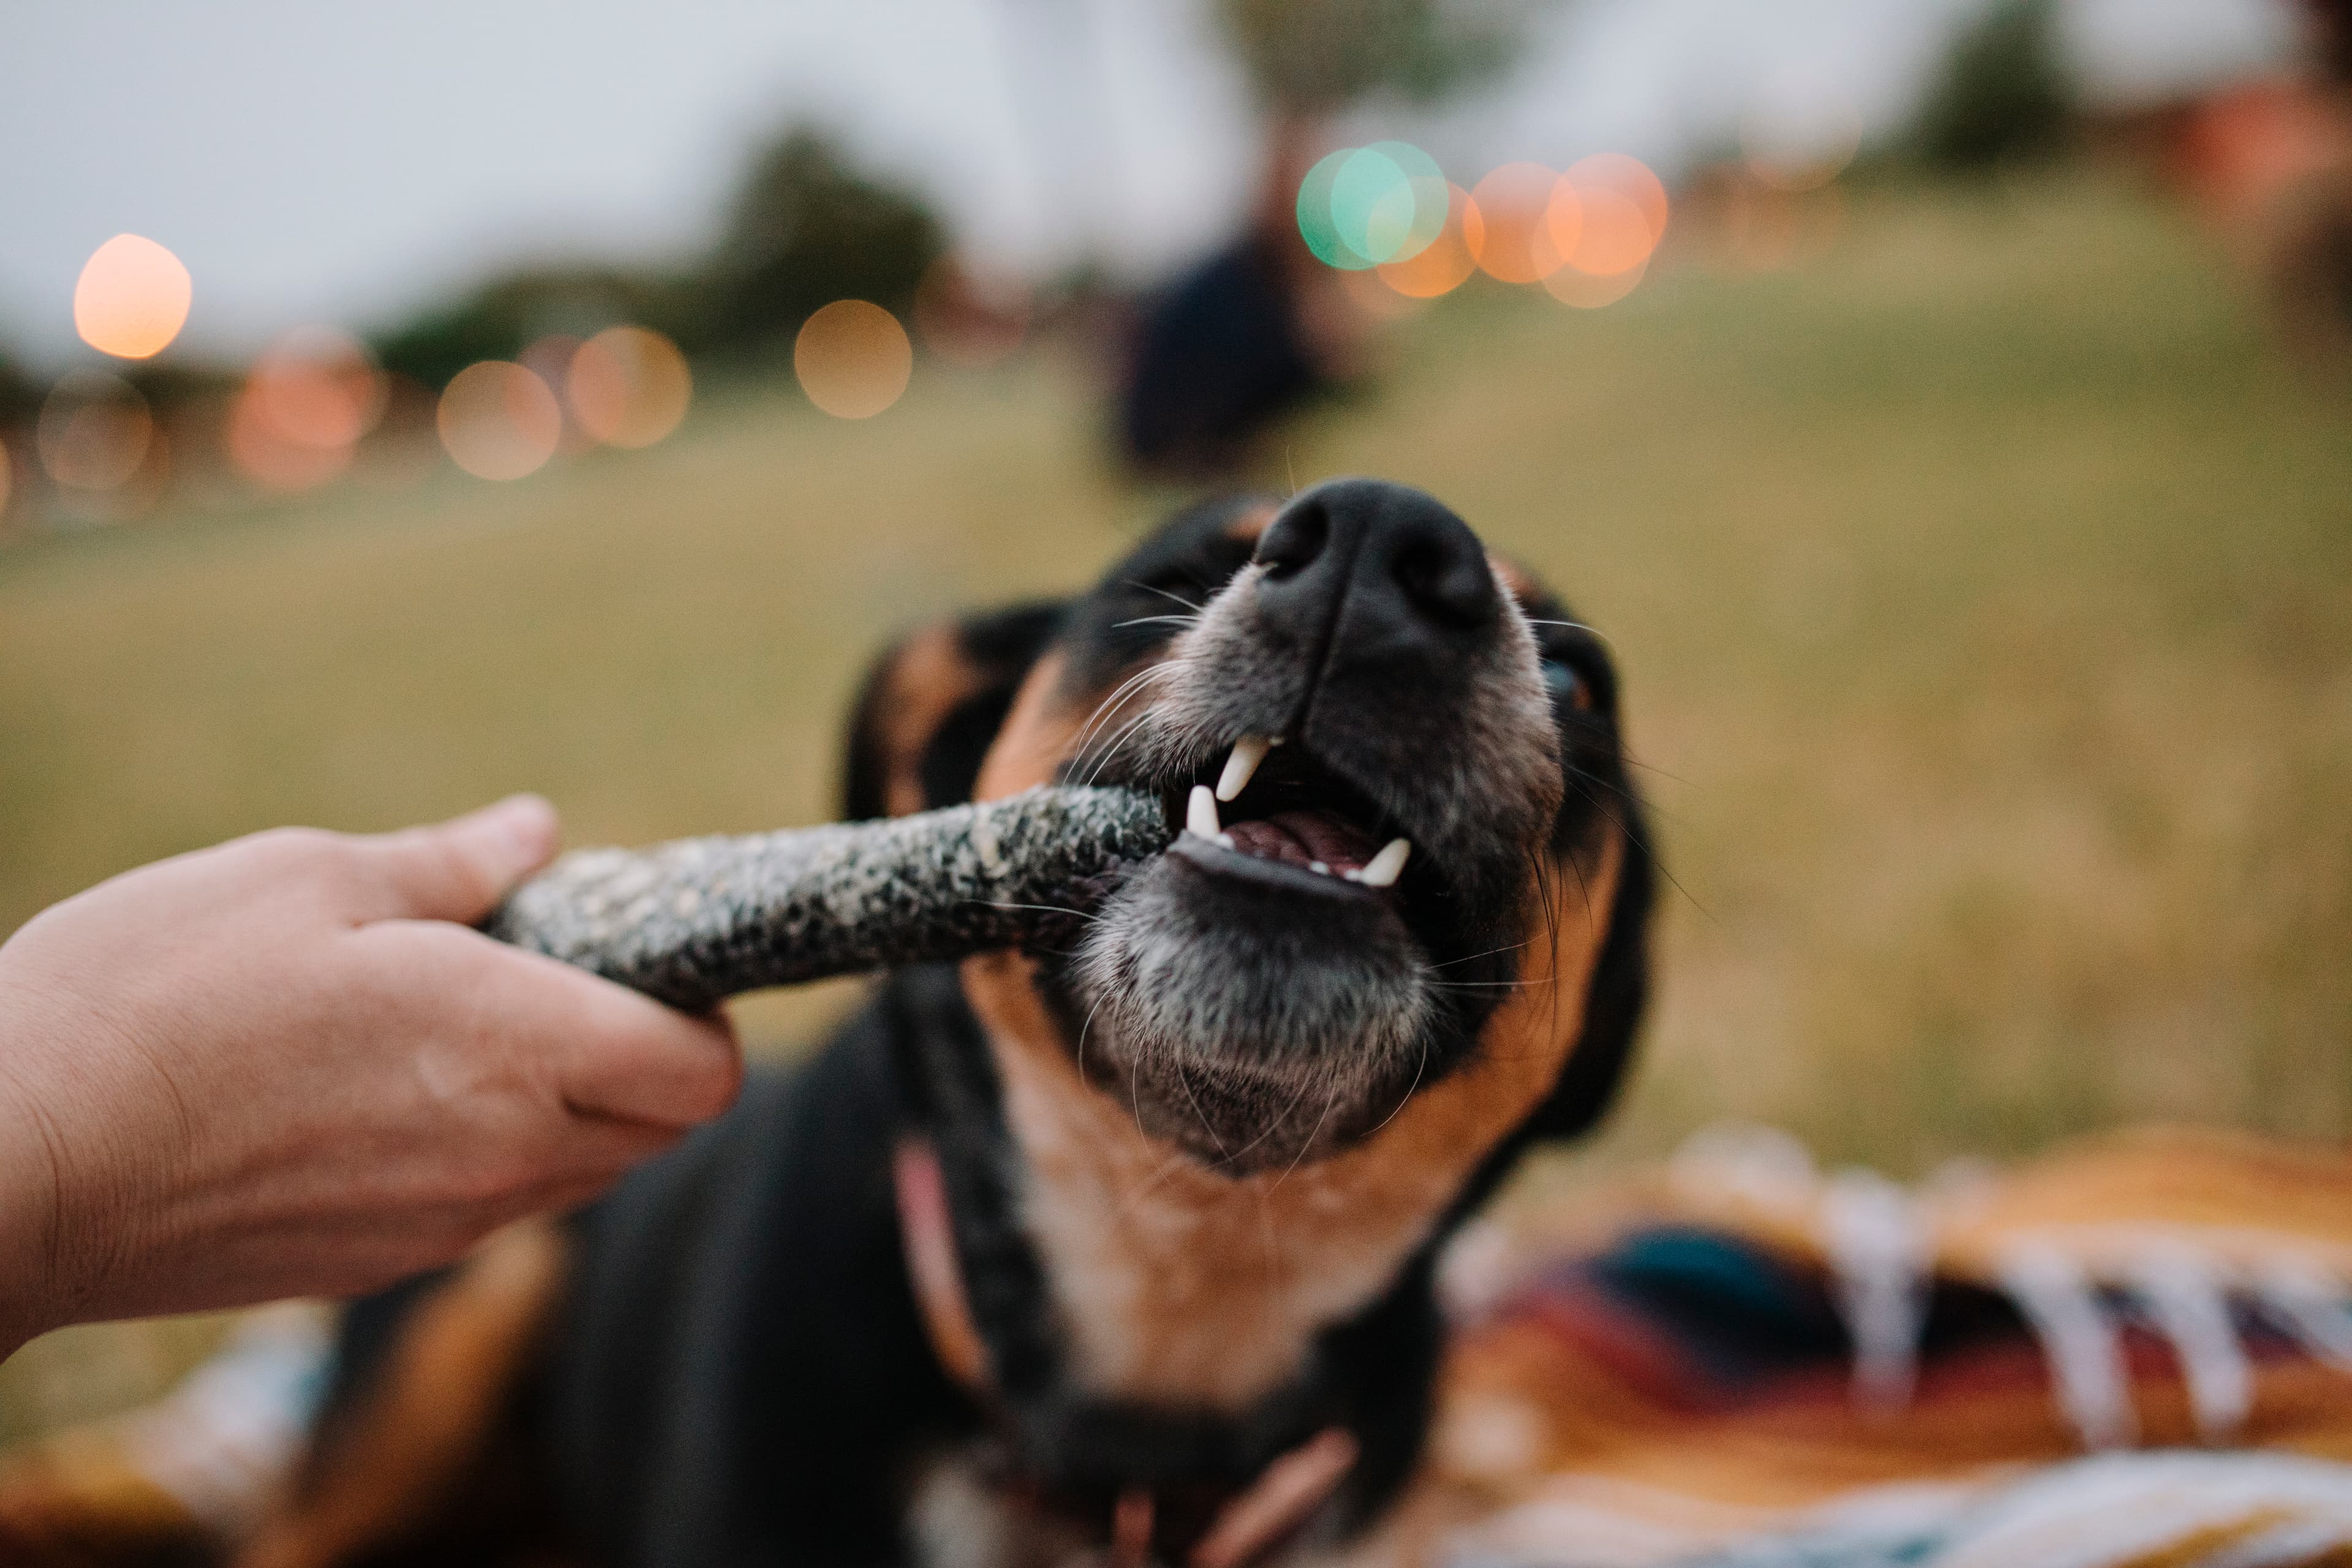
(1251, 1023)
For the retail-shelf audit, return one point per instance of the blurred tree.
(498, 320)
(807, 229)
(2004, 92)
(804, 229)
(19, 395)
(1309, 57)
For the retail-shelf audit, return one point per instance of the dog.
(1124, 1244)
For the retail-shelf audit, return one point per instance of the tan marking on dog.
(1040, 732)
(1515, 578)
(930, 674)
(437, 1400)
(1183, 1284)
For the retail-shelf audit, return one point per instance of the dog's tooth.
(1387, 865)
(1201, 814)
(1248, 752)
(1319, 866)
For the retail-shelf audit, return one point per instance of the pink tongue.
(1300, 837)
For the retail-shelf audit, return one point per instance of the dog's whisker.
(1472, 958)
(1185, 1082)
(1041, 909)
(1312, 1134)
(1578, 626)
(1110, 750)
(1152, 589)
(1108, 704)
(1410, 1090)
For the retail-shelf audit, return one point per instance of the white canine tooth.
(1248, 752)
(1387, 865)
(1201, 814)
(1319, 866)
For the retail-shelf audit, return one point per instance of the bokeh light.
(317, 387)
(853, 359)
(1447, 260)
(1362, 206)
(1628, 177)
(131, 298)
(94, 431)
(967, 317)
(628, 386)
(499, 421)
(262, 451)
(1597, 230)
(1521, 239)
(1799, 133)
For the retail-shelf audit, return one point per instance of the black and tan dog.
(1121, 1246)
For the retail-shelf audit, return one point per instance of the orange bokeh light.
(853, 358)
(629, 386)
(499, 421)
(1598, 231)
(1441, 266)
(1518, 244)
(131, 298)
(263, 451)
(1628, 177)
(317, 387)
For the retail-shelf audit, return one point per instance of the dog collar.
(1240, 1530)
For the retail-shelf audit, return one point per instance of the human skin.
(286, 1066)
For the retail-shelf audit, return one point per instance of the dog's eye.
(1565, 685)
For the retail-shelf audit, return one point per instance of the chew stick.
(693, 922)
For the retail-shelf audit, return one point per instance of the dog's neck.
(1178, 1284)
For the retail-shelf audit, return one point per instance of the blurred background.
(1941, 405)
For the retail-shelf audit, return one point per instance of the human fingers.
(459, 870)
(610, 1051)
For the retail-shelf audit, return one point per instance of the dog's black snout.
(1292, 541)
(1370, 570)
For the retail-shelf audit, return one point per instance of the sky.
(345, 162)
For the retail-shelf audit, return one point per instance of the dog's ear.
(1594, 1073)
(931, 705)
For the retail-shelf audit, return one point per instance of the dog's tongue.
(1301, 839)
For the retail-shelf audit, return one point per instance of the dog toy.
(695, 920)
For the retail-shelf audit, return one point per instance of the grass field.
(1984, 588)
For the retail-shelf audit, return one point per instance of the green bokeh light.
(1362, 206)
(1318, 225)
(1422, 200)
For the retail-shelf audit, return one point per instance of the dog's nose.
(1373, 573)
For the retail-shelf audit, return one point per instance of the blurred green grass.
(1980, 585)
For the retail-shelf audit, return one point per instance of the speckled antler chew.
(702, 919)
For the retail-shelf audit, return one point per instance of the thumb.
(459, 870)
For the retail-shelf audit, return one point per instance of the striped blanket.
(2136, 1352)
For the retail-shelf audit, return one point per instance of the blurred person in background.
(1240, 339)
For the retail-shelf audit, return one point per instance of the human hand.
(285, 1067)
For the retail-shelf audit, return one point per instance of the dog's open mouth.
(1276, 813)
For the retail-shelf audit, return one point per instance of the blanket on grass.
(2133, 1352)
